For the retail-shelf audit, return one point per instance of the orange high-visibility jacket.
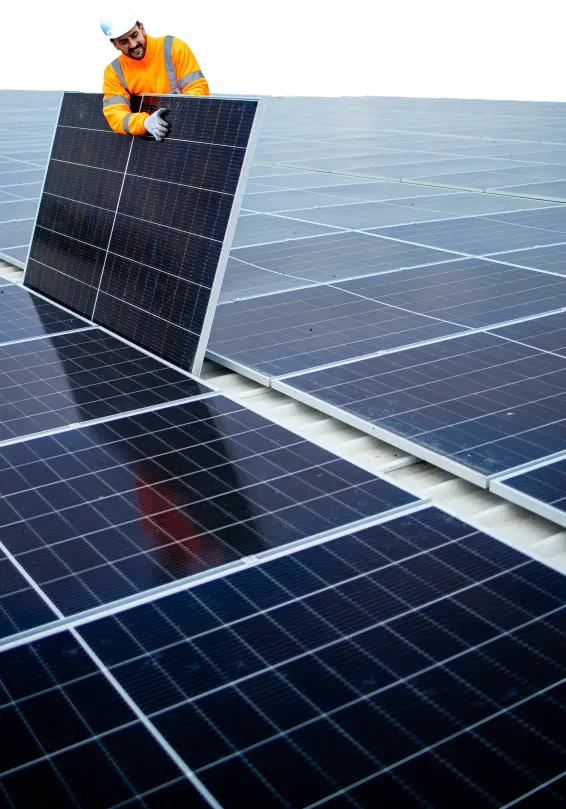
(169, 66)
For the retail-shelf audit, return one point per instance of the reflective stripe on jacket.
(169, 66)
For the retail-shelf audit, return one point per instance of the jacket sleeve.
(116, 106)
(189, 75)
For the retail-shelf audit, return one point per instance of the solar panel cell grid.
(486, 404)
(314, 676)
(56, 381)
(24, 316)
(155, 214)
(471, 293)
(292, 331)
(547, 333)
(542, 490)
(339, 256)
(476, 235)
(120, 508)
(73, 739)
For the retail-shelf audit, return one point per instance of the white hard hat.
(117, 19)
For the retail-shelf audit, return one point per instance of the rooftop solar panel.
(343, 674)
(74, 739)
(281, 201)
(483, 180)
(243, 280)
(383, 190)
(52, 382)
(540, 171)
(24, 316)
(306, 179)
(14, 210)
(121, 508)
(367, 215)
(437, 165)
(339, 255)
(476, 404)
(554, 191)
(304, 328)
(550, 259)
(266, 228)
(21, 608)
(548, 333)
(134, 234)
(542, 490)
(549, 218)
(471, 204)
(475, 235)
(471, 293)
(15, 255)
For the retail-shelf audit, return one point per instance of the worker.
(159, 65)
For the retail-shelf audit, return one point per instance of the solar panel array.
(200, 608)
(413, 662)
(341, 320)
(541, 489)
(49, 383)
(25, 137)
(134, 234)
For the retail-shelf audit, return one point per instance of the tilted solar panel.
(135, 234)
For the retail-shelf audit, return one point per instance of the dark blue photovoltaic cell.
(292, 331)
(476, 235)
(21, 607)
(69, 378)
(326, 672)
(130, 232)
(74, 740)
(116, 509)
(471, 293)
(23, 315)
(487, 403)
(547, 333)
(547, 485)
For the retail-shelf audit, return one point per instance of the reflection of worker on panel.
(159, 65)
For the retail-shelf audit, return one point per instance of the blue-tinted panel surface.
(16, 255)
(265, 228)
(318, 674)
(243, 280)
(552, 259)
(119, 508)
(547, 333)
(291, 331)
(55, 381)
(21, 607)
(340, 255)
(472, 293)
(72, 738)
(475, 235)
(554, 190)
(130, 231)
(547, 484)
(23, 315)
(15, 234)
(551, 218)
(485, 402)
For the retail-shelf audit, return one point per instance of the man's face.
(132, 44)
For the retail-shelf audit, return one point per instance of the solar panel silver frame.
(548, 512)
(230, 228)
(388, 437)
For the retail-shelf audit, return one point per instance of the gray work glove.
(157, 125)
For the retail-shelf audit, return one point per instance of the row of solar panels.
(392, 642)
(438, 294)
(352, 646)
